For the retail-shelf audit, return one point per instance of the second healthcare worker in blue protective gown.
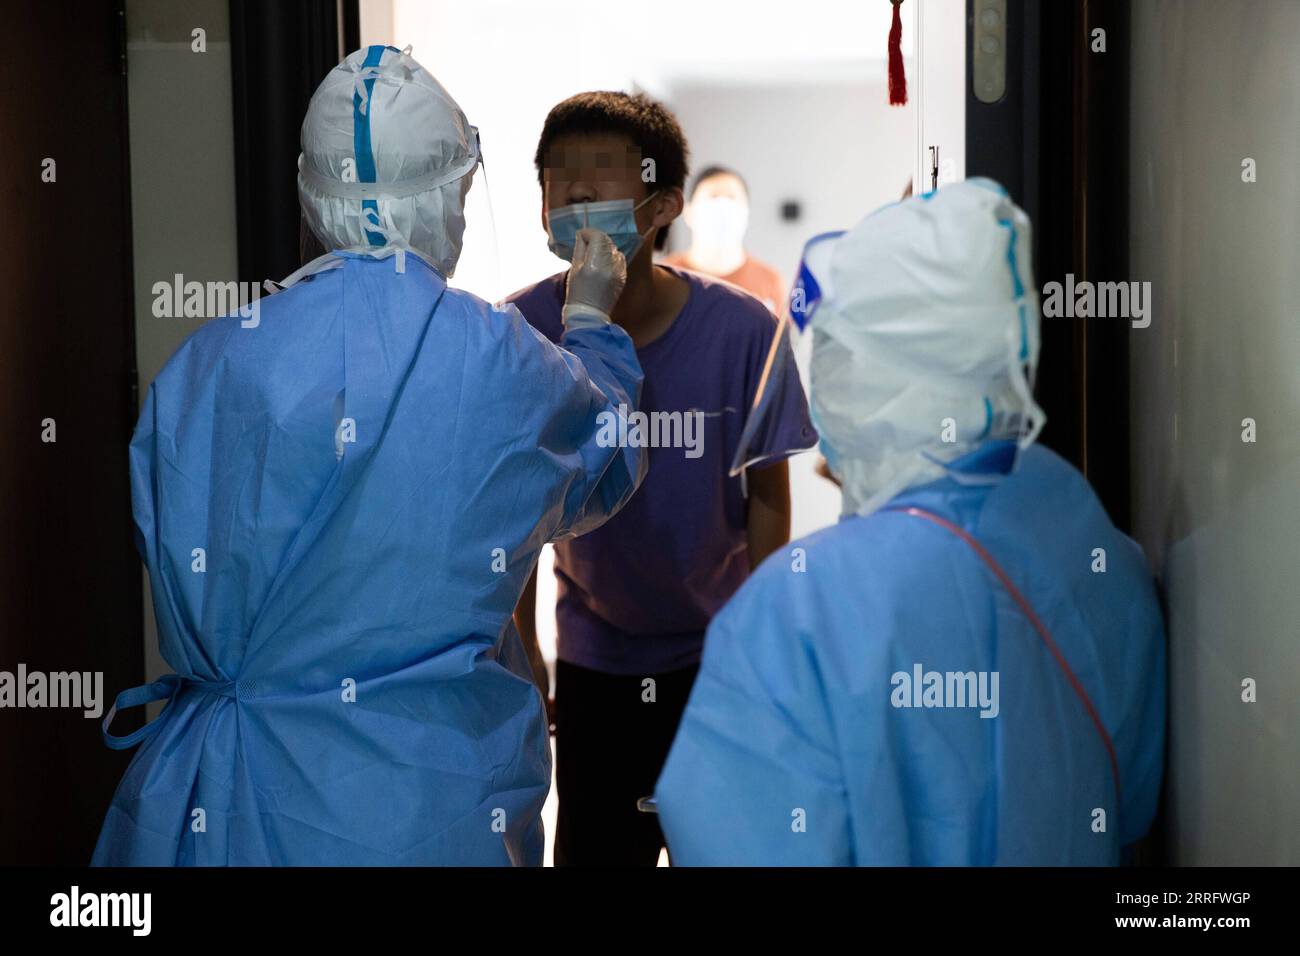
(968, 669)
(339, 501)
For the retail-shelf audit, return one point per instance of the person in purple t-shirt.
(636, 595)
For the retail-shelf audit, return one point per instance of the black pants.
(610, 746)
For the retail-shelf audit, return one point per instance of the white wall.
(1214, 83)
(938, 84)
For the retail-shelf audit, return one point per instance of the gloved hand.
(596, 277)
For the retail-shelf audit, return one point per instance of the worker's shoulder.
(1044, 490)
(269, 310)
(1047, 492)
(828, 599)
(1042, 464)
(498, 329)
(466, 302)
(826, 564)
(241, 331)
(730, 309)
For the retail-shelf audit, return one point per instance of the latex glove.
(596, 277)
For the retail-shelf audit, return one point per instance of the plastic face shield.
(761, 441)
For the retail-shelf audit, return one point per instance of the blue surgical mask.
(616, 218)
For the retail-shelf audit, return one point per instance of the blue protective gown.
(387, 573)
(791, 750)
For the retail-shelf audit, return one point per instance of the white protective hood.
(387, 159)
(925, 339)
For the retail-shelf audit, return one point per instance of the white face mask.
(719, 221)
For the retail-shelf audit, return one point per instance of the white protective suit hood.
(925, 339)
(387, 159)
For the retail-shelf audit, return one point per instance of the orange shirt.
(754, 276)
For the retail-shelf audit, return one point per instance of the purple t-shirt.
(636, 595)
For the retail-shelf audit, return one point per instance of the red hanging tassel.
(897, 78)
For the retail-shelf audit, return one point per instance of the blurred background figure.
(718, 216)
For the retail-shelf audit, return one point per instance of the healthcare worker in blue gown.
(969, 668)
(339, 503)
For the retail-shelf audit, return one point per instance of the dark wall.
(70, 583)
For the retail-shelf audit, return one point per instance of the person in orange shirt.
(718, 214)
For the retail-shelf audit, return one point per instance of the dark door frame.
(1058, 141)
